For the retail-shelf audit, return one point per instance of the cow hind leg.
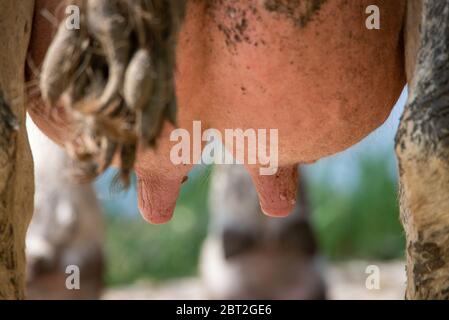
(16, 168)
(422, 148)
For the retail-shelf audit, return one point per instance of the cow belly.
(315, 72)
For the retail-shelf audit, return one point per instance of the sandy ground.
(344, 281)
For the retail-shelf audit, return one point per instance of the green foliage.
(362, 223)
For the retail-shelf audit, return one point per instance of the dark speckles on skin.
(300, 12)
(233, 17)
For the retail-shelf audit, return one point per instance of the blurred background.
(348, 221)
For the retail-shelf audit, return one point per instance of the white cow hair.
(66, 214)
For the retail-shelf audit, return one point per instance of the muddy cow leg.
(422, 147)
(16, 173)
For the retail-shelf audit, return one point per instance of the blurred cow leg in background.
(67, 228)
(248, 255)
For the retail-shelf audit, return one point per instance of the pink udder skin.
(324, 87)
